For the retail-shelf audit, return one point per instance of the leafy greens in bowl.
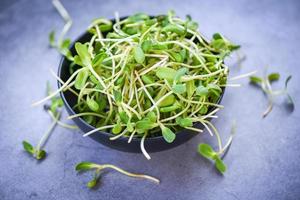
(144, 81)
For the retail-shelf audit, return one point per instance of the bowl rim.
(62, 95)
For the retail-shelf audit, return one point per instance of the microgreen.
(208, 152)
(97, 168)
(265, 84)
(62, 44)
(147, 76)
(55, 113)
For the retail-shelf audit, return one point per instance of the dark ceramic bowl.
(152, 144)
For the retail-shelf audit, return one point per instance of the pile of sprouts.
(145, 76)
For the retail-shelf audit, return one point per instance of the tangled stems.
(144, 77)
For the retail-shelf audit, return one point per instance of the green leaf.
(218, 44)
(174, 29)
(179, 73)
(171, 108)
(85, 166)
(99, 58)
(202, 91)
(184, 122)
(77, 60)
(92, 183)
(176, 56)
(217, 36)
(157, 46)
(150, 22)
(220, 165)
(184, 54)
(83, 53)
(190, 88)
(151, 116)
(144, 125)
(215, 89)
(28, 147)
(166, 73)
(123, 116)
(52, 39)
(168, 134)
(273, 77)
(105, 27)
(147, 79)
(179, 88)
(65, 44)
(146, 45)
(169, 100)
(255, 80)
(233, 47)
(92, 104)
(139, 55)
(54, 105)
(203, 110)
(81, 78)
(89, 119)
(117, 96)
(117, 129)
(192, 25)
(129, 126)
(137, 17)
(206, 151)
(41, 154)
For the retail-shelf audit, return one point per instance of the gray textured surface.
(263, 162)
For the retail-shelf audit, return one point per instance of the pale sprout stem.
(194, 129)
(65, 15)
(86, 114)
(232, 133)
(48, 132)
(62, 82)
(231, 85)
(210, 114)
(143, 147)
(147, 93)
(64, 125)
(131, 136)
(188, 78)
(158, 64)
(60, 89)
(216, 133)
(118, 136)
(191, 51)
(142, 176)
(206, 127)
(243, 75)
(158, 101)
(98, 129)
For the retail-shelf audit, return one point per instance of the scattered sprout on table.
(54, 110)
(88, 166)
(265, 83)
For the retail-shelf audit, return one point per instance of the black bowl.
(152, 144)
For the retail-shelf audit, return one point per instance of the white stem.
(143, 147)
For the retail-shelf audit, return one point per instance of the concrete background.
(263, 162)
